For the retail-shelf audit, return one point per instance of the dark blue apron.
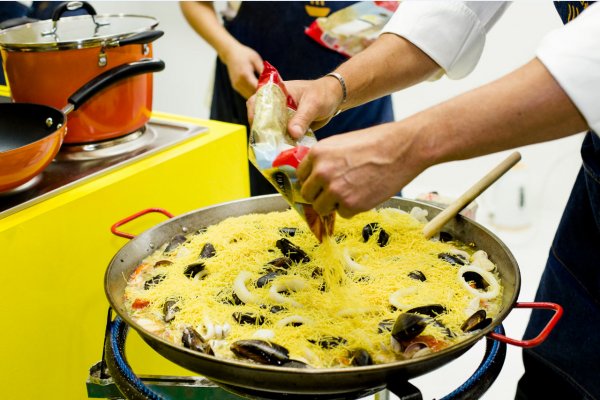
(276, 31)
(567, 364)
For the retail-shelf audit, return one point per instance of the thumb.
(301, 120)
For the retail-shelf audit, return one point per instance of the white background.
(547, 170)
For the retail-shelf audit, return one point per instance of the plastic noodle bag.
(276, 154)
(351, 29)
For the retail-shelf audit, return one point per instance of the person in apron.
(275, 30)
(549, 97)
(567, 364)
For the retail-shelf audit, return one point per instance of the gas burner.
(107, 148)
(24, 187)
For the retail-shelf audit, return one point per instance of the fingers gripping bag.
(276, 154)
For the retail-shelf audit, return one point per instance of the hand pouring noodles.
(276, 154)
(261, 288)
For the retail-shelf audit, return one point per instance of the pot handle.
(107, 78)
(539, 339)
(138, 214)
(141, 38)
(72, 6)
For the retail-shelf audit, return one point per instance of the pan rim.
(324, 373)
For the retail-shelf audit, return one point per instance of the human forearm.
(203, 19)
(390, 64)
(358, 170)
(527, 106)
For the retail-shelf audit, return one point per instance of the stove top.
(77, 163)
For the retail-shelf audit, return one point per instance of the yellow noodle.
(352, 306)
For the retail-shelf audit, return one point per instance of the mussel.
(261, 351)
(155, 280)
(286, 231)
(278, 264)
(368, 231)
(195, 270)
(170, 308)
(430, 310)
(417, 275)
(476, 321)
(265, 279)
(294, 364)
(452, 259)
(194, 341)
(160, 263)
(292, 251)
(477, 280)
(229, 297)
(208, 251)
(408, 326)
(385, 326)
(175, 241)
(445, 237)
(360, 357)
(329, 342)
(248, 318)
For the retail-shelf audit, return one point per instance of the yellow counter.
(56, 253)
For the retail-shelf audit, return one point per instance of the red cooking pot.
(46, 61)
(31, 134)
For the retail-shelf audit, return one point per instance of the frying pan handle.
(107, 78)
(125, 235)
(141, 38)
(539, 339)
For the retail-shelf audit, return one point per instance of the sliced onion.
(240, 289)
(264, 334)
(396, 297)
(480, 259)
(415, 348)
(292, 319)
(351, 264)
(463, 254)
(283, 285)
(493, 289)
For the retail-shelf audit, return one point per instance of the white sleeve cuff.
(572, 55)
(451, 33)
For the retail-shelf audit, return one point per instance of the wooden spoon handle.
(455, 207)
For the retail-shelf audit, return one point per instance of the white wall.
(184, 88)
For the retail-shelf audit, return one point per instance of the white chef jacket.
(453, 34)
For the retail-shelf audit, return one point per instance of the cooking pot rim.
(14, 45)
(155, 341)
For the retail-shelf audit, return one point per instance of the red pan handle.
(138, 214)
(539, 339)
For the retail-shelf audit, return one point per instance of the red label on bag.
(291, 157)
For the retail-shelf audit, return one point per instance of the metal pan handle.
(138, 214)
(539, 339)
(107, 78)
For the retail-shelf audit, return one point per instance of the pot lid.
(76, 32)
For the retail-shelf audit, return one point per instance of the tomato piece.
(291, 157)
(138, 304)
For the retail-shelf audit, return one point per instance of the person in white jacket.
(554, 95)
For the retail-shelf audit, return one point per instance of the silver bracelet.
(342, 82)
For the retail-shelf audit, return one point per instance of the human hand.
(356, 171)
(317, 103)
(244, 65)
